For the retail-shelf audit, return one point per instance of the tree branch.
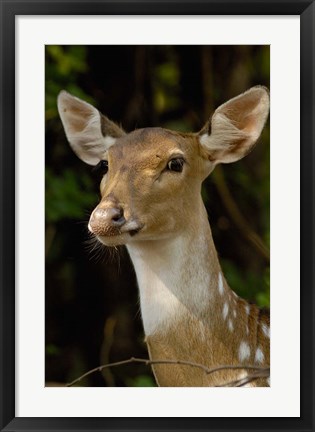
(237, 217)
(264, 373)
(260, 371)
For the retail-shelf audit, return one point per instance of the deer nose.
(104, 218)
(113, 215)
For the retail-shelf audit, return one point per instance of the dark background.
(92, 311)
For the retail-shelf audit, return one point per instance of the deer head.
(152, 177)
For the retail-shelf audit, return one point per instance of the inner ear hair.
(89, 132)
(235, 126)
(109, 128)
(223, 133)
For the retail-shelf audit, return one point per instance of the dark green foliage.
(92, 311)
(67, 195)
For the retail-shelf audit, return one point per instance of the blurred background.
(92, 309)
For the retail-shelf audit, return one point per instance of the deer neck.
(190, 313)
(178, 276)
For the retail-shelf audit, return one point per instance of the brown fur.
(218, 346)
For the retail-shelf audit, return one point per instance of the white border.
(283, 398)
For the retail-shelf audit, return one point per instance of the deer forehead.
(150, 148)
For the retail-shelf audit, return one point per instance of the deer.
(151, 203)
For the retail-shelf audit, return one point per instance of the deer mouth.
(133, 232)
(119, 236)
(132, 228)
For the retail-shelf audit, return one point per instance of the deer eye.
(101, 168)
(176, 165)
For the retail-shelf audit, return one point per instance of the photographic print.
(157, 222)
(157, 205)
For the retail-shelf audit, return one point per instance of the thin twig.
(237, 216)
(264, 373)
(109, 329)
(170, 362)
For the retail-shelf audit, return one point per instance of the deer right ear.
(235, 126)
(88, 131)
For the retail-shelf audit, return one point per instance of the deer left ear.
(89, 132)
(235, 126)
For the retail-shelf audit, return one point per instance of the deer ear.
(88, 131)
(235, 126)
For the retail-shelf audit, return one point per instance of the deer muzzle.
(107, 221)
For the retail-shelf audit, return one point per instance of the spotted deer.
(151, 202)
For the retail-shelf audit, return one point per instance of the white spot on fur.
(230, 325)
(247, 309)
(234, 313)
(242, 377)
(220, 284)
(225, 310)
(266, 330)
(259, 356)
(244, 351)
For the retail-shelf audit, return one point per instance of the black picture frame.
(9, 10)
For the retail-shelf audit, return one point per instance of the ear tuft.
(236, 125)
(89, 133)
